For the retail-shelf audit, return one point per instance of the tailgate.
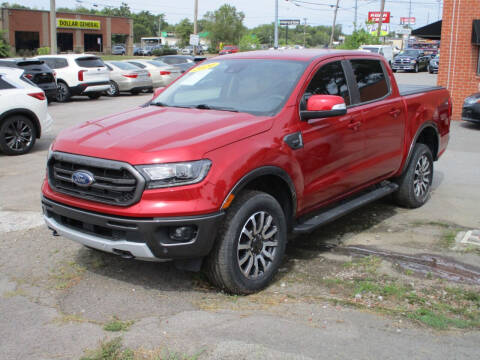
(94, 70)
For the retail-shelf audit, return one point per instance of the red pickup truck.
(222, 164)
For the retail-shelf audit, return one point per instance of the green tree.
(359, 37)
(4, 47)
(225, 25)
(249, 42)
(13, 6)
(139, 31)
(183, 30)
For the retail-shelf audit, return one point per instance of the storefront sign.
(374, 17)
(78, 24)
(407, 21)
(288, 22)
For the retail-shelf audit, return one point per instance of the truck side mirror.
(322, 106)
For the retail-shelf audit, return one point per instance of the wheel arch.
(427, 134)
(27, 113)
(274, 181)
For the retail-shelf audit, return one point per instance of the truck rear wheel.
(416, 181)
(250, 244)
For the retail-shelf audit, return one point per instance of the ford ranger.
(219, 167)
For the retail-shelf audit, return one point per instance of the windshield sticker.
(192, 79)
(205, 67)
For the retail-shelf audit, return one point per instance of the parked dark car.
(471, 108)
(410, 60)
(183, 62)
(37, 72)
(433, 64)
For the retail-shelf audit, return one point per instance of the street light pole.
(195, 29)
(333, 25)
(53, 28)
(275, 36)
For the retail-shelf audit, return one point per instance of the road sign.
(404, 31)
(374, 16)
(288, 22)
(407, 21)
(194, 39)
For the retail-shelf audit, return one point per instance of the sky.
(317, 12)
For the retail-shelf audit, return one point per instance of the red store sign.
(374, 16)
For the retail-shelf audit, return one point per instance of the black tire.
(416, 181)
(394, 70)
(113, 90)
(63, 92)
(94, 96)
(17, 135)
(229, 267)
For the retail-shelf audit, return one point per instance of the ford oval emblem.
(83, 178)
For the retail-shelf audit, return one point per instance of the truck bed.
(406, 89)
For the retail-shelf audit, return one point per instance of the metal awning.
(476, 32)
(431, 31)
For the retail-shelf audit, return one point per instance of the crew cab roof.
(306, 55)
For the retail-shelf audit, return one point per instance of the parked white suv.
(23, 112)
(78, 74)
(385, 50)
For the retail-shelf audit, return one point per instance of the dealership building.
(28, 30)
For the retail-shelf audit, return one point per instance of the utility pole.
(195, 29)
(380, 21)
(356, 16)
(275, 36)
(160, 18)
(53, 28)
(333, 25)
(409, 14)
(304, 32)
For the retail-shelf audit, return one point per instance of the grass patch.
(448, 239)
(117, 325)
(67, 275)
(16, 292)
(439, 321)
(114, 350)
(369, 264)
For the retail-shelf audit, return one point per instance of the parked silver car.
(162, 74)
(127, 77)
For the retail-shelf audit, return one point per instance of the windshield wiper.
(212, 107)
(158, 103)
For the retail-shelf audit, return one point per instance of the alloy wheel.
(62, 92)
(18, 135)
(422, 177)
(257, 245)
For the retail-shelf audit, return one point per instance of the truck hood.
(159, 134)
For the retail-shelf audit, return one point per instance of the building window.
(27, 40)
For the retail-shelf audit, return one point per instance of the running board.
(344, 208)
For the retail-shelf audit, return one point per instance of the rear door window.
(371, 80)
(89, 62)
(330, 79)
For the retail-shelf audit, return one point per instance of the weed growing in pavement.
(117, 325)
(114, 350)
(67, 274)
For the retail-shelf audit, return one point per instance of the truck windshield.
(410, 52)
(255, 86)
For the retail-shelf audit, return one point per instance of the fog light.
(183, 233)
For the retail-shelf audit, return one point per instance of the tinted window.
(5, 85)
(330, 80)
(123, 65)
(55, 63)
(141, 66)
(89, 62)
(370, 78)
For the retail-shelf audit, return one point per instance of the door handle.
(354, 125)
(395, 112)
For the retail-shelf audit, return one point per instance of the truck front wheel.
(250, 244)
(416, 181)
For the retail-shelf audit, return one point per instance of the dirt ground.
(380, 283)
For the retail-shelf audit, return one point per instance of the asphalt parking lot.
(59, 299)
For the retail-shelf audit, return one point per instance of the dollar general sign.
(78, 24)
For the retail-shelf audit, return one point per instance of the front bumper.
(140, 238)
(403, 67)
(471, 113)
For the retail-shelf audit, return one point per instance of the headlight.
(50, 151)
(471, 100)
(175, 174)
(413, 61)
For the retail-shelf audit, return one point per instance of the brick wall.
(458, 57)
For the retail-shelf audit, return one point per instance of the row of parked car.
(27, 85)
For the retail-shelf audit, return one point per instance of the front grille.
(115, 182)
(402, 61)
(43, 78)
